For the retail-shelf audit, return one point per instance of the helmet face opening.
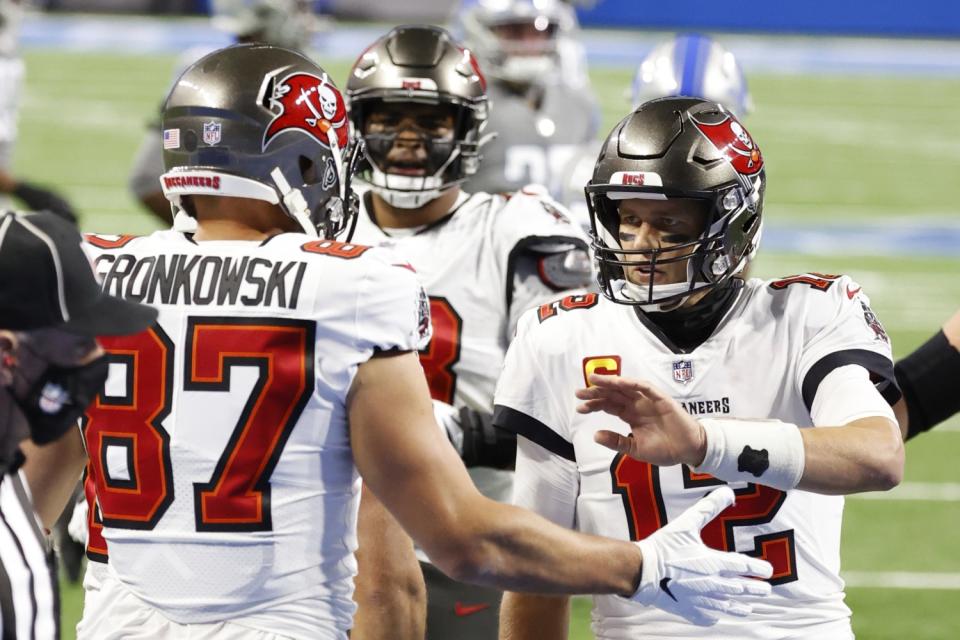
(261, 122)
(697, 157)
(419, 102)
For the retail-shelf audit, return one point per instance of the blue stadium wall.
(928, 18)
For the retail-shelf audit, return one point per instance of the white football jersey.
(220, 448)
(765, 360)
(468, 264)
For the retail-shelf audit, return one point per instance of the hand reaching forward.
(663, 433)
(683, 576)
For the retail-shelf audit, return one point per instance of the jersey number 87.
(129, 449)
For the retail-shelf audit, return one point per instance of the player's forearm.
(865, 455)
(526, 616)
(52, 473)
(515, 549)
(389, 590)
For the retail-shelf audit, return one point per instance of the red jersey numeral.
(638, 484)
(819, 281)
(237, 497)
(130, 480)
(127, 429)
(443, 352)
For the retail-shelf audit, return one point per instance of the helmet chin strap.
(294, 202)
(639, 293)
(412, 192)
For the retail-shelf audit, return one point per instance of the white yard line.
(901, 580)
(916, 491)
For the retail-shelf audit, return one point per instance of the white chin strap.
(639, 292)
(410, 192)
(405, 192)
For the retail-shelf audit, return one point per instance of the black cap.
(46, 280)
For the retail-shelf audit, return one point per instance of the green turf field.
(867, 149)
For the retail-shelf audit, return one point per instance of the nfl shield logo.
(683, 371)
(211, 133)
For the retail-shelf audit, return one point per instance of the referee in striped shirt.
(51, 368)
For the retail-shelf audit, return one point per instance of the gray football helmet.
(677, 148)
(262, 122)
(284, 23)
(692, 65)
(510, 59)
(419, 64)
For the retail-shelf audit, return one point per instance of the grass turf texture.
(865, 149)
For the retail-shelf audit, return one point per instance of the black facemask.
(50, 393)
(57, 399)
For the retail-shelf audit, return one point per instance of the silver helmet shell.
(261, 122)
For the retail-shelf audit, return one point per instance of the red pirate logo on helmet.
(306, 103)
(733, 141)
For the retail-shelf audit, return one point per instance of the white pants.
(28, 594)
(112, 612)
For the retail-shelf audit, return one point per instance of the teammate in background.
(542, 106)
(34, 197)
(225, 444)
(51, 367)
(782, 388)
(284, 23)
(418, 101)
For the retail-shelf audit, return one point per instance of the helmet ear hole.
(308, 169)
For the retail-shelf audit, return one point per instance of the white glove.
(77, 527)
(683, 576)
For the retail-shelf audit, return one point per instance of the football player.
(542, 106)
(418, 100)
(224, 447)
(284, 23)
(695, 379)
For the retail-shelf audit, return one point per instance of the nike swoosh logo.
(852, 292)
(665, 587)
(466, 609)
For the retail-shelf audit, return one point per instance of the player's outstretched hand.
(683, 576)
(663, 433)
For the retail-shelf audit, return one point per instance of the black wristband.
(929, 378)
(485, 445)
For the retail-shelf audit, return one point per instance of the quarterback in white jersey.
(695, 379)
(483, 258)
